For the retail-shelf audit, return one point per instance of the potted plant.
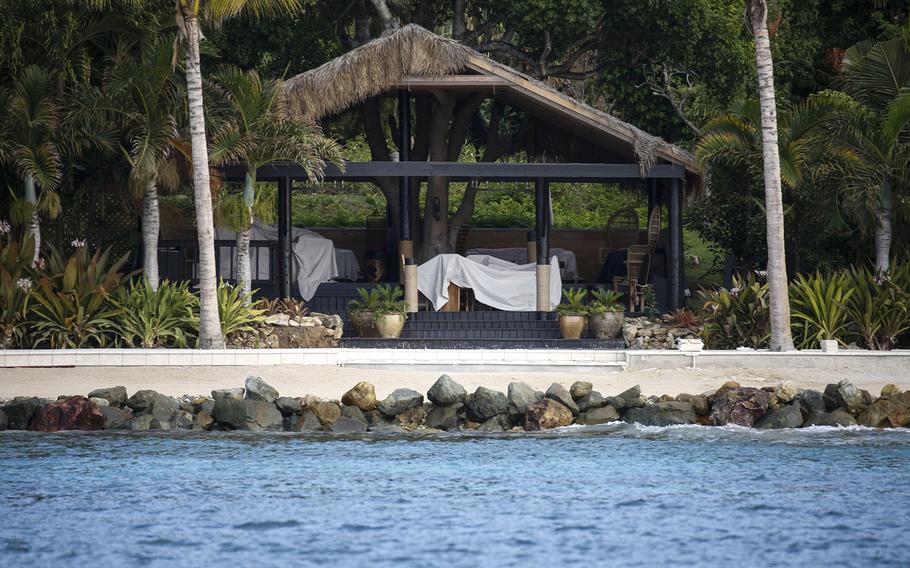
(361, 312)
(392, 311)
(573, 313)
(607, 314)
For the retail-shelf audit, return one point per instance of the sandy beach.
(330, 382)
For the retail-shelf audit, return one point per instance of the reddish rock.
(546, 414)
(74, 413)
(741, 406)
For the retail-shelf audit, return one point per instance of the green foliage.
(70, 307)
(369, 301)
(737, 317)
(574, 304)
(287, 306)
(391, 301)
(15, 284)
(605, 300)
(879, 308)
(236, 310)
(819, 308)
(150, 318)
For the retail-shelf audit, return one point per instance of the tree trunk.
(883, 231)
(34, 224)
(151, 228)
(242, 256)
(210, 336)
(781, 338)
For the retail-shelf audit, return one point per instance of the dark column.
(542, 224)
(674, 201)
(284, 237)
(404, 154)
(653, 195)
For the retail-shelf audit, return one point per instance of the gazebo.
(580, 143)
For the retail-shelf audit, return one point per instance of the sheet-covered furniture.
(348, 267)
(495, 282)
(568, 264)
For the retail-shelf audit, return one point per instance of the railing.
(178, 260)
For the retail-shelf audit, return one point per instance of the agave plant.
(287, 306)
(391, 301)
(574, 304)
(369, 301)
(738, 316)
(236, 310)
(820, 307)
(154, 318)
(605, 301)
(15, 285)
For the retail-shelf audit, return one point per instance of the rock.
(443, 417)
(326, 412)
(546, 414)
(115, 396)
(279, 320)
(521, 395)
(345, 425)
(885, 413)
(73, 413)
(257, 389)
(240, 414)
(600, 415)
(580, 389)
(99, 402)
(591, 400)
(411, 418)
(115, 418)
(354, 413)
(666, 398)
(233, 394)
(485, 404)
(561, 395)
(844, 395)
(811, 402)
(183, 420)
(741, 406)
(890, 390)
(206, 404)
(698, 401)
(662, 414)
(784, 393)
(787, 416)
(20, 410)
(288, 406)
(727, 386)
(148, 422)
(630, 398)
(499, 423)
(204, 420)
(387, 429)
(399, 401)
(375, 417)
(445, 392)
(838, 417)
(363, 396)
(158, 405)
(308, 422)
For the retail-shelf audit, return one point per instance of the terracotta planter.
(572, 327)
(607, 325)
(390, 325)
(363, 324)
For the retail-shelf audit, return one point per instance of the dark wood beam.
(453, 83)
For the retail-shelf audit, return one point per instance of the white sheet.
(568, 264)
(497, 283)
(348, 267)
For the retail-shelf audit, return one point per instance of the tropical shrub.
(15, 284)
(605, 301)
(391, 301)
(70, 304)
(736, 317)
(150, 318)
(369, 301)
(684, 317)
(288, 306)
(236, 310)
(879, 307)
(574, 304)
(819, 308)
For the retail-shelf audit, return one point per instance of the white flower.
(78, 243)
(4, 227)
(24, 283)
(40, 263)
(761, 273)
(735, 291)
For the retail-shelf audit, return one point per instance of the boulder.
(785, 393)
(499, 423)
(844, 395)
(345, 425)
(546, 414)
(73, 413)
(375, 417)
(326, 412)
(289, 406)
(580, 389)
(115, 418)
(811, 402)
(445, 392)
(308, 422)
(99, 402)
(443, 417)
(115, 396)
(20, 410)
(485, 404)
(183, 420)
(204, 420)
(600, 415)
(890, 390)
(257, 389)
(662, 414)
(698, 401)
(591, 400)
(363, 396)
(521, 395)
(399, 401)
(885, 413)
(240, 414)
(838, 417)
(741, 406)
(562, 395)
(411, 418)
(630, 398)
(158, 405)
(354, 413)
(787, 416)
(148, 422)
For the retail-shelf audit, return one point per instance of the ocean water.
(615, 495)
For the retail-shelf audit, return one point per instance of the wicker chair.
(638, 261)
(622, 228)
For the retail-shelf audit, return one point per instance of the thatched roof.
(412, 51)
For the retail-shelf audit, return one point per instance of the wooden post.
(405, 244)
(410, 284)
(532, 247)
(674, 199)
(284, 237)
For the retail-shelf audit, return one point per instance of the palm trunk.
(883, 231)
(34, 224)
(151, 228)
(781, 338)
(244, 271)
(210, 336)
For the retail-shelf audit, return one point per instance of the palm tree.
(258, 131)
(877, 75)
(779, 303)
(188, 14)
(28, 130)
